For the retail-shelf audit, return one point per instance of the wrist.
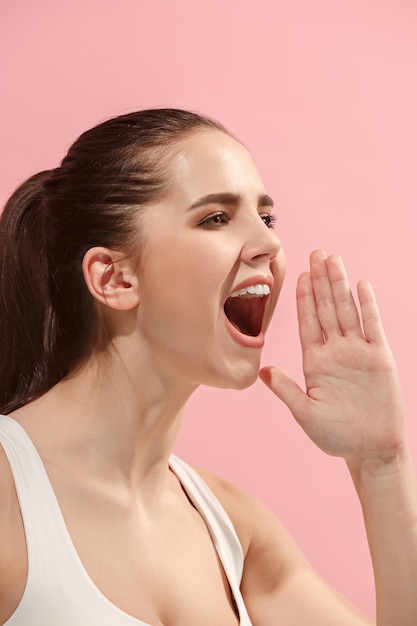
(381, 464)
(387, 488)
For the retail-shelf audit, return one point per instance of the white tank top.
(59, 592)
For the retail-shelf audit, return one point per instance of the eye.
(214, 221)
(268, 219)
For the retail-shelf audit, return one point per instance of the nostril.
(269, 254)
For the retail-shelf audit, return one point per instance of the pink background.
(324, 94)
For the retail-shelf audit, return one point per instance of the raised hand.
(352, 405)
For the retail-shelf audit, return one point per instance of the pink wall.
(324, 94)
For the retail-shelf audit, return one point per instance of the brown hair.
(48, 319)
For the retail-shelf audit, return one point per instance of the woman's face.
(209, 238)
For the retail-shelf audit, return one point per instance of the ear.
(110, 278)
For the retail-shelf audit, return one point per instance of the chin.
(243, 384)
(241, 376)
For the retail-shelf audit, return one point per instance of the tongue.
(246, 314)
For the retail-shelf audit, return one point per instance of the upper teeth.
(253, 290)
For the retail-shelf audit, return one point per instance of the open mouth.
(245, 309)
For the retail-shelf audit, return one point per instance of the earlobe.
(110, 279)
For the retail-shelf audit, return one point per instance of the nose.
(261, 242)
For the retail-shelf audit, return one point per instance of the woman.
(142, 267)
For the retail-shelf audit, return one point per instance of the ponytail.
(23, 294)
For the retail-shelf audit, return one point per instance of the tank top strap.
(42, 517)
(220, 528)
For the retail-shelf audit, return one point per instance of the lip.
(248, 341)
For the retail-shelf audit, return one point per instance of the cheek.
(188, 267)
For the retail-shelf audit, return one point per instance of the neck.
(116, 420)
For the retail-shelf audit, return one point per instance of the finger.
(371, 317)
(310, 330)
(346, 310)
(285, 388)
(323, 294)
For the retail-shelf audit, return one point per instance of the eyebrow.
(230, 199)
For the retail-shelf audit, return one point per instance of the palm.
(352, 404)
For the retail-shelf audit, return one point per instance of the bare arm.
(352, 408)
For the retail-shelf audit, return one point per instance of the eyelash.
(270, 220)
(210, 223)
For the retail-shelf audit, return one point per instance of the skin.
(105, 432)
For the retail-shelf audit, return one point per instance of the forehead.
(213, 162)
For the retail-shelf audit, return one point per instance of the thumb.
(283, 386)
